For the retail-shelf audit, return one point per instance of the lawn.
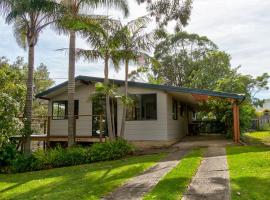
(249, 168)
(258, 137)
(78, 182)
(174, 184)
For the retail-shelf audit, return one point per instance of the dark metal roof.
(148, 86)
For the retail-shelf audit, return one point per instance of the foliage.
(180, 57)
(9, 122)
(12, 81)
(173, 185)
(177, 11)
(13, 78)
(110, 150)
(59, 157)
(91, 181)
(249, 172)
(8, 153)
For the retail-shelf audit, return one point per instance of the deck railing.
(41, 125)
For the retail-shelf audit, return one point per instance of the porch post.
(236, 124)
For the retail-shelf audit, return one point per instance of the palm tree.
(29, 19)
(105, 45)
(135, 45)
(75, 9)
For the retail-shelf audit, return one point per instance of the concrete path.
(211, 181)
(138, 186)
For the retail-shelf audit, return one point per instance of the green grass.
(249, 172)
(174, 184)
(258, 137)
(78, 182)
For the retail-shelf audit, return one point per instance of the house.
(160, 115)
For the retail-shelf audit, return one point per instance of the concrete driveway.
(190, 142)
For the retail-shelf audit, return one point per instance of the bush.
(110, 150)
(59, 157)
(23, 163)
(7, 154)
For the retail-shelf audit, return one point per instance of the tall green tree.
(29, 19)
(178, 57)
(136, 43)
(75, 9)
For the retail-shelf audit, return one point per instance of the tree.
(13, 83)
(29, 18)
(9, 122)
(177, 57)
(235, 82)
(74, 10)
(135, 46)
(177, 11)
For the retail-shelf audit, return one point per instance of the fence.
(206, 127)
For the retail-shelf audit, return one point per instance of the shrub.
(110, 150)
(59, 157)
(7, 154)
(24, 162)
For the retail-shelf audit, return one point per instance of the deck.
(56, 138)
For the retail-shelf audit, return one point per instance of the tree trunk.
(29, 99)
(71, 89)
(108, 107)
(123, 124)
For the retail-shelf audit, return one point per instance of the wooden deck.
(64, 138)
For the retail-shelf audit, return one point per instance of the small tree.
(10, 124)
(135, 46)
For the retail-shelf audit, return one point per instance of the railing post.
(48, 131)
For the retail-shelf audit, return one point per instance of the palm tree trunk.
(71, 89)
(108, 107)
(29, 99)
(123, 124)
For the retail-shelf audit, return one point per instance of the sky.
(241, 28)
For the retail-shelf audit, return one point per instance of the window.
(174, 109)
(144, 107)
(60, 109)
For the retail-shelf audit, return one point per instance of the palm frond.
(88, 55)
(20, 33)
(121, 5)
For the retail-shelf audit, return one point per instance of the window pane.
(144, 107)
(59, 110)
(149, 106)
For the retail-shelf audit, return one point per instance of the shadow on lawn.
(77, 182)
(255, 141)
